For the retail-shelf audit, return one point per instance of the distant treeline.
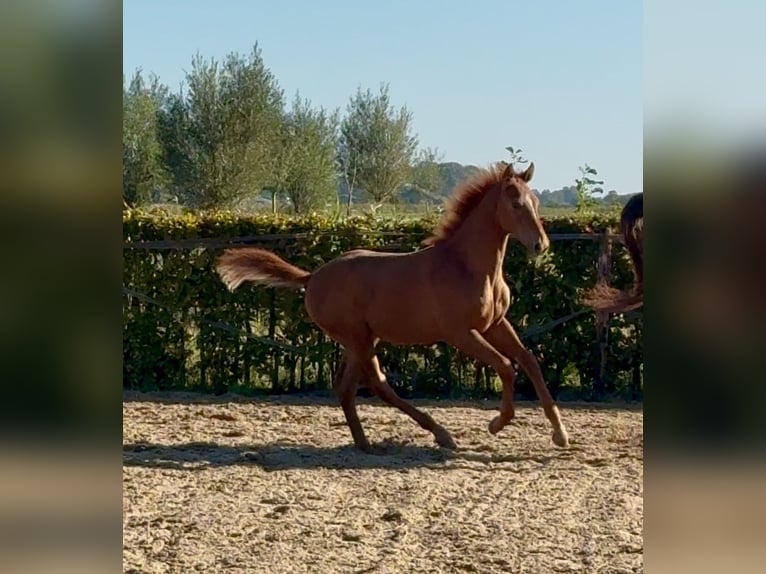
(452, 173)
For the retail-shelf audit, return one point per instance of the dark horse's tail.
(608, 299)
(237, 266)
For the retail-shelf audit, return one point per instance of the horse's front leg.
(503, 337)
(480, 347)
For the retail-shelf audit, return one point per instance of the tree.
(376, 145)
(585, 188)
(426, 176)
(305, 171)
(346, 165)
(144, 176)
(612, 198)
(516, 157)
(455, 173)
(220, 138)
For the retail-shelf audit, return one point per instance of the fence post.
(602, 319)
(272, 334)
(636, 367)
(246, 356)
(203, 354)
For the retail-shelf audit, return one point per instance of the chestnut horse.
(608, 299)
(452, 291)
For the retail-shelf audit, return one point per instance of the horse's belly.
(406, 334)
(403, 322)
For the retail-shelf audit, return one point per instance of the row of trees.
(229, 134)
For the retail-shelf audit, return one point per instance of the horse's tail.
(237, 266)
(608, 299)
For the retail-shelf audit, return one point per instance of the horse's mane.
(463, 201)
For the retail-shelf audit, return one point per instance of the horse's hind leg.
(344, 384)
(376, 380)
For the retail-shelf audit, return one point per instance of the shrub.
(180, 344)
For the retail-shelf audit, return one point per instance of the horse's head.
(518, 210)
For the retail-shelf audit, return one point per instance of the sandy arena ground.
(273, 485)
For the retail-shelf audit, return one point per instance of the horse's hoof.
(560, 437)
(444, 439)
(496, 425)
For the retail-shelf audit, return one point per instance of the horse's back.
(366, 288)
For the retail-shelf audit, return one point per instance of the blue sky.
(562, 80)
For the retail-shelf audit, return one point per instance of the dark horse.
(453, 290)
(608, 299)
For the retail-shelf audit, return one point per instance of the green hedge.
(175, 346)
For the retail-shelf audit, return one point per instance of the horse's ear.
(508, 173)
(528, 173)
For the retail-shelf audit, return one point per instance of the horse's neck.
(479, 241)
